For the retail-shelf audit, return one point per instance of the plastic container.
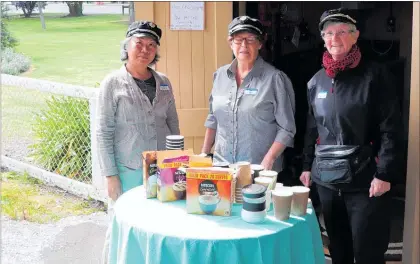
(254, 203)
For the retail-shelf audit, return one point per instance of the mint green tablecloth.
(148, 231)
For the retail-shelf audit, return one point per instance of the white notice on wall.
(187, 15)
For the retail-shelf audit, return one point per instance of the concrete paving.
(76, 239)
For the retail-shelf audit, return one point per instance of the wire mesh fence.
(48, 125)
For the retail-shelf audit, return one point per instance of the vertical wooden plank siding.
(198, 84)
(224, 17)
(189, 59)
(209, 50)
(172, 63)
(411, 218)
(144, 11)
(160, 20)
(185, 69)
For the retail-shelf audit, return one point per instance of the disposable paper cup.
(256, 168)
(267, 182)
(300, 200)
(271, 175)
(282, 200)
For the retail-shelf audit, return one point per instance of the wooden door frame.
(411, 217)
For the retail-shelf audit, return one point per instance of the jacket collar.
(129, 79)
(256, 70)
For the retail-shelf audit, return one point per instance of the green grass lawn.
(77, 50)
(25, 198)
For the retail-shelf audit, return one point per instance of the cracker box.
(209, 191)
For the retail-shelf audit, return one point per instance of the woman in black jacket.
(353, 119)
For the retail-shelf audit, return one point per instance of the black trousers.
(358, 227)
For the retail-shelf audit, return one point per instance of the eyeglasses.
(249, 40)
(330, 34)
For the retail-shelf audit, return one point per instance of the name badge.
(322, 95)
(164, 87)
(251, 91)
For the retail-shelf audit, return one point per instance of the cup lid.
(254, 191)
(257, 167)
(300, 189)
(175, 137)
(282, 192)
(268, 173)
(263, 180)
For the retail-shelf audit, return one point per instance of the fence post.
(97, 180)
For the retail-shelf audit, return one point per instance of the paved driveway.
(76, 239)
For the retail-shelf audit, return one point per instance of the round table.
(149, 231)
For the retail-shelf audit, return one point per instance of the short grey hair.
(124, 53)
(329, 23)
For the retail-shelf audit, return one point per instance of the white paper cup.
(300, 200)
(271, 175)
(267, 182)
(256, 168)
(282, 201)
(279, 186)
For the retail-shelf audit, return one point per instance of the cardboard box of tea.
(209, 191)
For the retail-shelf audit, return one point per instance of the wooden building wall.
(189, 59)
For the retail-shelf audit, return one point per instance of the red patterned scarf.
(332, 67)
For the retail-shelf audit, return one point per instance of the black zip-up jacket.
(358, 107)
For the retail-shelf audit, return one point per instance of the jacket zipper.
(334, 108)
(334, 119)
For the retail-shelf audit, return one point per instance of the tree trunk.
(41, 16)
(131, 12)
(75, 9)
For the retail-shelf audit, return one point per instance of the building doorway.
(293, 40)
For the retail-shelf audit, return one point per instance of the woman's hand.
(267, 162)
(114, 187)
(378, 187)
(305, 178)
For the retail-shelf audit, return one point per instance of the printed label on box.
(209, 191)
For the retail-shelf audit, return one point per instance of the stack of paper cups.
(175, 142)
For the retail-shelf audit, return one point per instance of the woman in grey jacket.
(136, 111)
(252, 104)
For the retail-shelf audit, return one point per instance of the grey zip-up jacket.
(128, 124)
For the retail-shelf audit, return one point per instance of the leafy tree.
(7, 40)
(28, 7)
(75, 8)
